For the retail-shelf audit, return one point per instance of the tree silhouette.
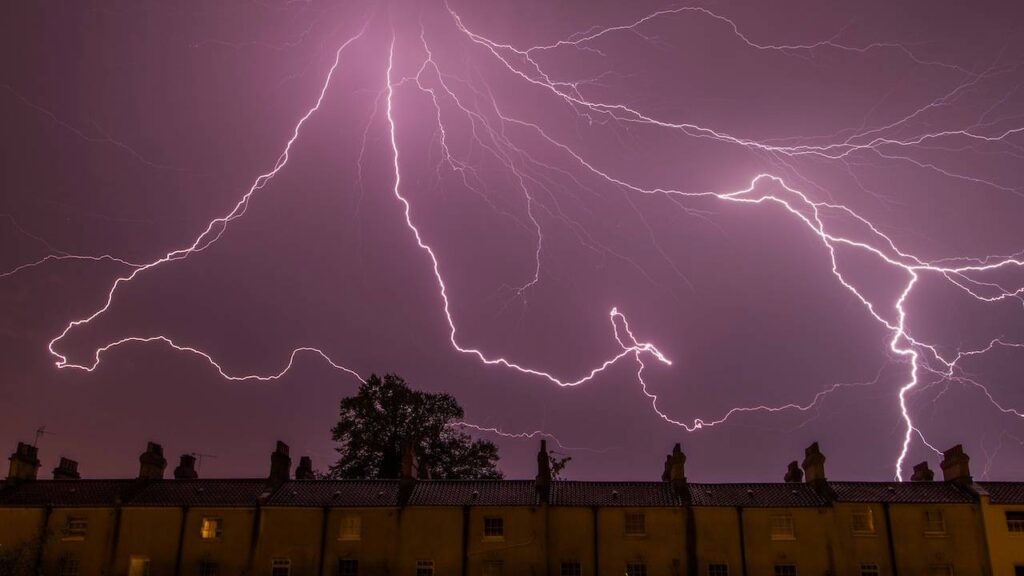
(386, 415)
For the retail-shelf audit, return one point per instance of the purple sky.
(552, 185)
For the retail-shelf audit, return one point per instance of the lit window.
(348, 567)
(636, 524)
(207, 568)
(75, 528)
(493, 568)
(1015, 521)
(863, 521)
(424, 568)
(281, 567)
(68, 566)
(571, 568)
(782, 527)
(636, 569)
(940, 570)
(138, 566)
(211, 529)
(494, 528)
(718, 569)
(785, 570)
(934, 523)
(870, 570)
(351, 527)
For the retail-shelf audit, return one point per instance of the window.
(636, 569)
(424, 568)
(782, 527)
(207, 568)
(351, 527)
(718, 569)
(494, 528)
(636, 524)
(68, 566)
(863, 521)
(934, 523)
(348, 567)
(75, 528)
(1018, 571)
(571, 568)
(940, 570)
(785, 570)
(493, 568)
(211, 529)
(1015, 521)
(138, 566)
(870, 570)
(281, 567)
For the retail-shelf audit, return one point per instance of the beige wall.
(151, 533)
(662, 548)
(718, 538)
(521, 550)
(92, 551)
(961, 546)
(230, 551)
(810, 549)
(430, 533)
(1006, 549)
(570, 538)
(853, 549)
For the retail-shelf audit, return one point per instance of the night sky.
(810, 210)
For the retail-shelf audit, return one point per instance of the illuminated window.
(636, 569)
(211, 529)
(493, 568)
(571, 568)
(424, 568)
(785, 570)
(208, 568)
(351, 527)
(870, 570)
(75, 528)
(940, 570)
(863, 521)
(636, 524)
(1015, 521)
(782, 527)
(934, 522)
(281, 567)
(718, 569)
(69, 566)
(348, 567)
(138, 566)
(494, 528)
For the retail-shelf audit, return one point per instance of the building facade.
(285, 526)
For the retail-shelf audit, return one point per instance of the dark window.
(76, 528)
(69, 566)
(636, 524)
(493, 568)
(348, 567)
(572, 568)
(207, 568)
(1015, 521)
(424, 568)
(1018, 571)
(785, 570)
(718, 569)
(280, 567)
(494, 527)
(636, 569)
(870, 570)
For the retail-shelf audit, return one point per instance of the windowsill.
(865, 534)
(636, 536)
(936, 534)
(493, 538)
(783, 538)
(72, 538)
(349, 538)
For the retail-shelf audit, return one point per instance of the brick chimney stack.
(794, 473)
(543, 480)
(305, 469)
(152, 462)
(280, 464)
(814, 464)
(67, 469)
(677, 469)
(922, 473)
(956, 465)
(186, 469)
(24, 463)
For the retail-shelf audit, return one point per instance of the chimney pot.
(814, 464)
(24, 463)
(67, 469)
(280, 464)
(186, 469)
(956, 465)
(152, 462)
(543, 480)
(922, 473)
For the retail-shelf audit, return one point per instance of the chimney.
(152, 462)
(666, 475)
(956, 465)
(409, 473)
(24, 463)
(186, 469)
(543, 480)
(67, 469)
(922, 473)
(305, 469)
(814, 464)
(280, 464)
(794, 474)
(677, 469)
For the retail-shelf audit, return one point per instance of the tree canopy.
(386, 415)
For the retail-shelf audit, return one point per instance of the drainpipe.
(597, 544)
(181, 541)
(889, 538)
(115, 536)
(44, 531)
(465, 541)
(323, 541)
(743, 543)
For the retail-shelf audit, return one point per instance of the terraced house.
(284, 526)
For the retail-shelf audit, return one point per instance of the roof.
(753, 495)
(210, 492)
(474, 492)
(66, 493)
(633, 494)
(353, 493)
(1004, 492)
(901, 492)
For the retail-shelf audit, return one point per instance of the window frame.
(344, 563)
(218, 528)
(785, 569)
(279, 563)
(930, 516)
(208, 567)
(634, 523)
(570, 568)
(718, 569)
(870, 569)
(494, 528)
(75, 528)
(775, 527)
(636, 568)
(351, 528)
(866, 516)
(424, 568)
(143, 562)
(1015, 525)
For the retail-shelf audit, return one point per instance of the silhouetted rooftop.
(1004, 492)
(768, 495)
(353, 493)
(901, 492)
